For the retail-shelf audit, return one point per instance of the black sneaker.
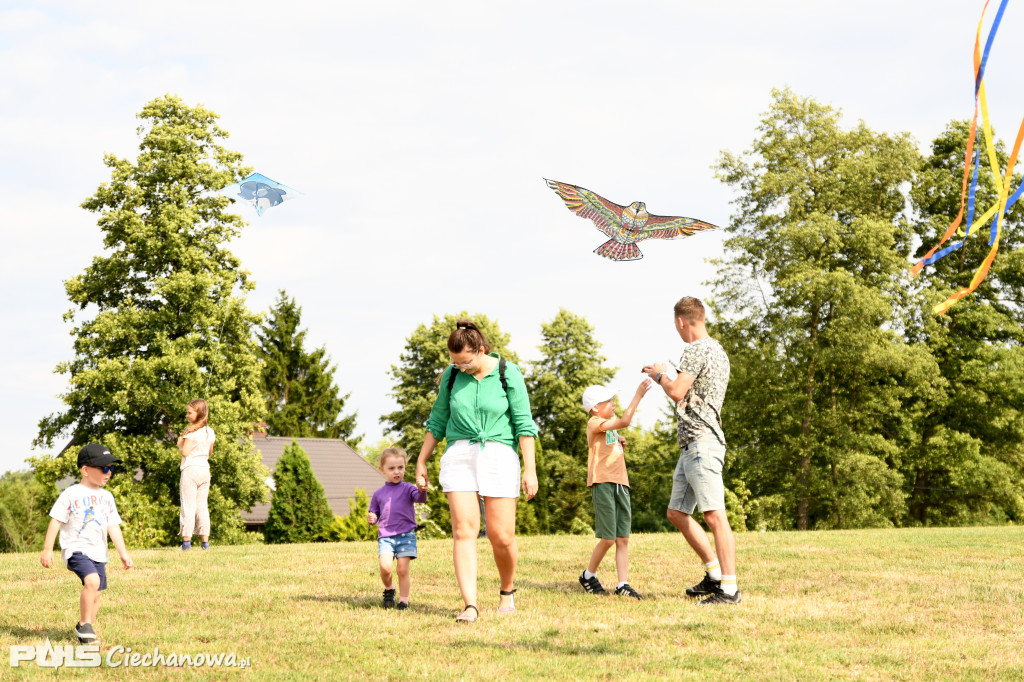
(706, 586)
(627, 591)
(720, 597)
(403, 605)
(389, 599)
(85, 634)
(592, 585)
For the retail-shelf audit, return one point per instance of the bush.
(24, 512)
(299, 511)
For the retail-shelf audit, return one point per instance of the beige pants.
(195, 512)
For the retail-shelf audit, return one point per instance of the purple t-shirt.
(393, 506)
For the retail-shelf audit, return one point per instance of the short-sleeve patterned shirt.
(701, 409)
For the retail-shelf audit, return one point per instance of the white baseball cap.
(595, 395)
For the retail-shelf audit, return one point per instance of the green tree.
(298, 385)
(808, 304)
(161, 320)
(967, 456)
(570, 360)
(299, 511)
(24, 512)
(415, 387)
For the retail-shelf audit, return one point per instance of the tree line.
(850, 403)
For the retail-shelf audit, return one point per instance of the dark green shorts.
(612, 512)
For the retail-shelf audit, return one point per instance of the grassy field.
(933, 604)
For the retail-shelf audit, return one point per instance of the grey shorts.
(697, 481)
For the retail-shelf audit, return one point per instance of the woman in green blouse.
(481, 410)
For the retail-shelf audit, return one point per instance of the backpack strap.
(501, 375)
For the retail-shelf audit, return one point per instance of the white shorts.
(490, 469)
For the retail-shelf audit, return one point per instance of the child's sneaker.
(85, 634)
(592, 584)
(186, 545)
(625, 590)
(403, 605)
(389, 599)
(205, 545)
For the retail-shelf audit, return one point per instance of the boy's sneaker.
(186, 545)
(205, 545)
(592, 585)
(403, 605)
(85, 634)
(627, 591)
(389, 599)
(704, 587)
(720, 597)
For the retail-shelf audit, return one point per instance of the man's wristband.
(657, 378)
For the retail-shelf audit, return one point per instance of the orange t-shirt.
(606, 463)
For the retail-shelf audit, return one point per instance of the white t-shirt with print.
(197, 447)
(84, 514)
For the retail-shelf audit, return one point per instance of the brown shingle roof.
(337, 466)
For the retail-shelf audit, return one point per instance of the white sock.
(619, 586)
(587, 575)
(729, 584)
(714, 570)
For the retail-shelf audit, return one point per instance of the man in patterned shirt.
(698, 392)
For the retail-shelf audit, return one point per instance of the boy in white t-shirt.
(84, 514)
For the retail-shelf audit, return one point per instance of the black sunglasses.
(109, 469)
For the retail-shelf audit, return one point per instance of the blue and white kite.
(260, 192)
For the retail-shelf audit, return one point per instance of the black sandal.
(508, 593)
(461, 619)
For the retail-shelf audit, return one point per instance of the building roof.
(339, 468)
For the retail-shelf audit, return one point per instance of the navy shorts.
(398, 546)
(81, 565)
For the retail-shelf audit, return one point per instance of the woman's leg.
(465, 512)
(501, 531)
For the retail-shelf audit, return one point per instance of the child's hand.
(622, 442)
(46, 558)
(371, 518)
(127, 561)
(644, 386)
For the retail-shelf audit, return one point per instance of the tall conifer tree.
(298, 385)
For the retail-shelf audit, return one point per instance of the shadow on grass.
(574, 588)
(373, 603)
(546, 643)
(53, 634)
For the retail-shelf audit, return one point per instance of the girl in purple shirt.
(391, 509)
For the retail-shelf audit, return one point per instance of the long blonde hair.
(202, 412)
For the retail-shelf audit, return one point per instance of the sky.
(420, 133)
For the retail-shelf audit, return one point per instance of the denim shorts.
(697, 481)
(81, 565)
(400, 545)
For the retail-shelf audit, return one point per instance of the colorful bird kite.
(626, 225)
(260, 192)
(1001, 183)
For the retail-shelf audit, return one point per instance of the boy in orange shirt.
(609, 484)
